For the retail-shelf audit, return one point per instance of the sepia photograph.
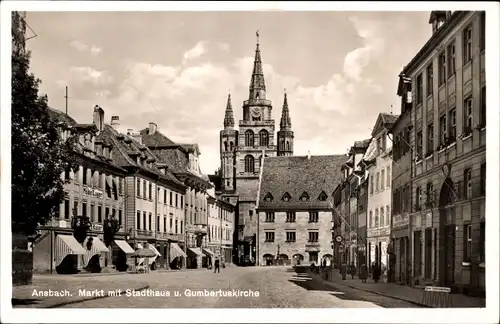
(312, 157)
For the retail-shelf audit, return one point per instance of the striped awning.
(66, 244)
(208, 252)
(124, 246)
(196, 251)
(96, 248)
(176, 251)
(153, 248)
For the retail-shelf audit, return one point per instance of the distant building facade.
(220, 227)
(295, 209)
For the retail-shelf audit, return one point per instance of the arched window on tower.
(264, 138)
(249, 164)
(287, 145)
(249, 138)
(231, 146)
(225, 146)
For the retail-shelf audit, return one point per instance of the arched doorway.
(297, 259)
(268, 259)
(283, 259)
(447, 232)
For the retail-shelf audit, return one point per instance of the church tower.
(228, 143)
(285, 134)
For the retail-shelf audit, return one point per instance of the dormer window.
(106, 151)
(268, 197)
(304, 196)
(322, 196)
(286, 197)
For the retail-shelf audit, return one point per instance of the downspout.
(257, 236)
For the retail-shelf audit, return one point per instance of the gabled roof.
(155, 140)
(384, 121)
(128, 147)
(296, 174)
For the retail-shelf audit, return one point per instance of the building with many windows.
(220, 226)
(448, 160)
(95, 190)
(295, 208)
(182, 160)
(242, 150)
(379, 165)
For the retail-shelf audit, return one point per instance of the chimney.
(99, 117)
(309, 154)
(115, 122)
(152, 128)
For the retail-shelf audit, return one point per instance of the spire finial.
(284, 91)
(257, 34)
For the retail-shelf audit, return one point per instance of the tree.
(39, 154)
(81, 226)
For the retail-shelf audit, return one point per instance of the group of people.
(350, 269)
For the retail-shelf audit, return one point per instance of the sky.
(339, 69)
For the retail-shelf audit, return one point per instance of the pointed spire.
(228, 118)
(286, 121)
(257, 84)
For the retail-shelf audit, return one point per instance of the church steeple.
(229, 118)
(286, 121)
(257, 84)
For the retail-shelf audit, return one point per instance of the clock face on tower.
(255, 112)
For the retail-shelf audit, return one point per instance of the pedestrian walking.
(363, 273)
(217, 265)
(353, 270)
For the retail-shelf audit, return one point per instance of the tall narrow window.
(453, 124)
(270, 237)
(387, 215)
(376, 218)
(389, 178)
(138, 220)
(313, 217)
(85, 176)
(150, 191)
(468, 116)
(249, 164)
(442, 129)
(467, 42)
(99, 214)
(264, 138)
(442, 68)
(382, 216)
(120, 217)
(313, 237)
(290, 217)
(451, 60)
(138, 188)
(249, 141)
(430, 79)
(482, 42)
(67, 212)
(468, 183)
(370, 219)
(418, 201)
(377, 184)
(270, 217)
(420, 88)
(419, 145)
(144, 188)
(430, 138)
(467, 242)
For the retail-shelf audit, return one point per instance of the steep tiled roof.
(61, 116)
(176, 160)
(389, 119)
(155, 140)
(298, 174)
(118, 140)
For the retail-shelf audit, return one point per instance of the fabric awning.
(96, 248)
(196, 251)
(208, 252)
(176, 251)
(153, 248)
(66, 244)
(124, 246)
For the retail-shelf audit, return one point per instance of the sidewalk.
(405, 293)
(45, 290)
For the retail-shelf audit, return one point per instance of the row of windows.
(468, 240)
(146, 223)
(145, 191)
(292, 237)
(290, 217)
(217, 233)
(448, 127)
(303, 197)
(447, 62)
(381, 181)
(113, 185)
(380, 219)
(220, 213)
(93, 211)
(263, 138)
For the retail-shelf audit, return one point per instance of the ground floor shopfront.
(401, 261)
(56, 250)
(170, 254)
(378, 242)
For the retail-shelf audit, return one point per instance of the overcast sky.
(340, 69)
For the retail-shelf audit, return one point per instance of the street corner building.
(295, 210)
(439, 153)
(242, 151)
(95, 190)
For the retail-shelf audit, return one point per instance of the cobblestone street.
(278, 287)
